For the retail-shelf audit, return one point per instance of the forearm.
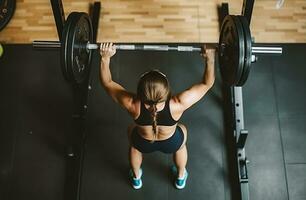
(209, 74)
(105, 74)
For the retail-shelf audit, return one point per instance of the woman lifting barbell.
(156, 113)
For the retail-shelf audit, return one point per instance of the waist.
(163, 132)
(141, 122)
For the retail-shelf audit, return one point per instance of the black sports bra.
(164, 117)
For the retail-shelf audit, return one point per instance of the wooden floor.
(160, 20)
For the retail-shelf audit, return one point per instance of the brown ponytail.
(153, 110)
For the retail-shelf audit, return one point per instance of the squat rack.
(77, 138)
(234, 120)
(232, 94)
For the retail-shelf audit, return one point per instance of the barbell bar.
(132, 47)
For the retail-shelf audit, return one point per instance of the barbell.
(150, 47)
(236, 50)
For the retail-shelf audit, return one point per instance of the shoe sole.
(140, 185)
(182, 186)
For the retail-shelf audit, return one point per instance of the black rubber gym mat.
(34, 120)
(290, 82)
(275, 114)
(106, 164)
(35, 108)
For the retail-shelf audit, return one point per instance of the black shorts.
(170, 145)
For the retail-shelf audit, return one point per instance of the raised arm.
(192, 95)
(115, 90)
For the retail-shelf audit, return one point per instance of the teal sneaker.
(136, 182)
(180, 183)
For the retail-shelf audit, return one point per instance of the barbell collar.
(254, 58)
(92, 46)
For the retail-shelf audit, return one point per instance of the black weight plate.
(231, 50)
(72, 20)
(7, 9)
(241, 49)
(80, 33)
(248, 50)
(64, 47)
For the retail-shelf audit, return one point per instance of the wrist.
(210, 61)
(105, 59)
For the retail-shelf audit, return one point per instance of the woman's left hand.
(107, 50)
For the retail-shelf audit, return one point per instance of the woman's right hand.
(107, 50)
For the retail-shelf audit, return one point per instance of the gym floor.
(36, 118)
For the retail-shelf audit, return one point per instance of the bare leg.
(135, 161)
(135, 156)
(180, 157)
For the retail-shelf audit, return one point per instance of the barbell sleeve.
(46, 44)
(267, 50)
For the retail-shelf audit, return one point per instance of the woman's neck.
(160, 106)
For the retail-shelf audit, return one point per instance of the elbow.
(106, 85)
(210, 83)
(105, 82)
